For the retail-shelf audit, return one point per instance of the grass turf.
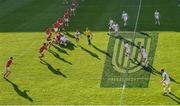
(73, 75)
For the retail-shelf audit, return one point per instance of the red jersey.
(60, 21)
(42, 48)
(9, 62)
(48, 31)
(66, 15)
(56, 25)
(73, 6)
(49, 36)
(58, 37)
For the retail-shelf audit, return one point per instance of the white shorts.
(41, 53)
(125, 19)
(61, 24)
(116, 33)
(144, 56)
(166, 83)
(66, 20)
(55, 29)
(73, 9)
(157, 17)
(7, 69)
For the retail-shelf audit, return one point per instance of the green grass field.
(81, 74)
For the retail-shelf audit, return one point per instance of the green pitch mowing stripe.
(138, 75)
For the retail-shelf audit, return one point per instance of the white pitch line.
(137, 19)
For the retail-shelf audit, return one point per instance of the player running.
(56, 26)
(60, 23)
(116, 30)
(110, 25)
(64, 40)
(125, 18)
(157, 17)
(66, 17)
(127, 49)
(42, 50)
(7, 68)
(89, 35)
(77, 36)
(144, 56)
(58, 38)
(165, 82)
(48, 33)
(48, 37)
(73, 9)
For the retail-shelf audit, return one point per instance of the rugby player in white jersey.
(116, 30)
(125, 18)
(144, 56)
(127, 49)
(110, 25)
(157, 17)
(165, 82)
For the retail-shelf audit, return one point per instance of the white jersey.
(143, 51)
(125, 16)
(113, 26)
(78, 33)
(127, 48)
(64, 39)
(166, 77)
(116, 28)
(111, 22)
(157, 15)
(126, 45)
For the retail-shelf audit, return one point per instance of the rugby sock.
(164, 89)
(169, 89)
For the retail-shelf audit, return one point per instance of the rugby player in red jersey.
(48, 37)
(48, 33)
(66, 17)
(58, 37)
(73, 8)
(56, 26)
(7, 68)
(42, 50)
(60, 22)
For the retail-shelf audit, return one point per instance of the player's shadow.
(152, 70)
(69, 46)
(58, 57)
(174, 98)
(143, 33)
(155, 72)
(52, 69)
(69, 35)
(91, 53)
(60, 50)
(125, 40)
(22, 93)
(103, 52)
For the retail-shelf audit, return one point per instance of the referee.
(89, 35)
